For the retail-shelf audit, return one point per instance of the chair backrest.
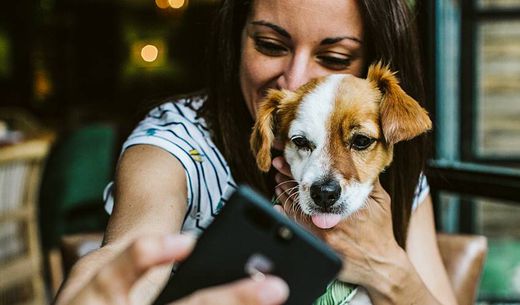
(463, 257)
(79, 167)
(20, 254)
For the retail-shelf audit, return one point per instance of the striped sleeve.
(176, 128)
(421, 191)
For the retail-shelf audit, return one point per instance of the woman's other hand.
(113, 282)
(286, 189)
(367, 244)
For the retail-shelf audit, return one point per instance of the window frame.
(471, 16)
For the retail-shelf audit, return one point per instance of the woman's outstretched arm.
(150, 199)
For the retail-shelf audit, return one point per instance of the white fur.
(354, 195)
(308, 167)
(310, 121)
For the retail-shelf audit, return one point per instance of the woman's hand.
(365, 240)
(371, 256)
(286, 189)
(113, 282)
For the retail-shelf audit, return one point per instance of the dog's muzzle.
(325, 193)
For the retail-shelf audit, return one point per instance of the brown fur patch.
(356, 111)
(402, 118)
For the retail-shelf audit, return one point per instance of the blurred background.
(77, 75)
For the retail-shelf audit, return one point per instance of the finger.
(282, 166)
(144, 253)
(279, 209)
(281, 195)
(283, 183)
(270, 291)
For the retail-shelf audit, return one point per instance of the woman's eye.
(269, 47)
(361, 142)
(334, 62)
(301, 143)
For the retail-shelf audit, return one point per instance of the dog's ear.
(402, 118)
(263, 134)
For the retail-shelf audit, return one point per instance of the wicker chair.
(21, 164)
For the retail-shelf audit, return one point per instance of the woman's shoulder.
(174, 124)
(179, 108)
(175, 127)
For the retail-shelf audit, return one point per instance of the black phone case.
(248, 226)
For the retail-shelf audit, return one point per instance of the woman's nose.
(296, 72)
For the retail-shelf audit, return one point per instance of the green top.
(337, 293)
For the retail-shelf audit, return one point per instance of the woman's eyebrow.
(273, 26)
(333, 40)
(284, 33)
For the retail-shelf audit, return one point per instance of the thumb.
(270, 291)
(280, 164)
(141, 255)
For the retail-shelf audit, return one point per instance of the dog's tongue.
(326, 221)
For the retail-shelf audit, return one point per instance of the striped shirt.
(176, 128)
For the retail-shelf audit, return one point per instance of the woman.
(183, 161)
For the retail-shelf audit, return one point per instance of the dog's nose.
(325, 193)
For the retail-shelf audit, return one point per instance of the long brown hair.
(390, 36)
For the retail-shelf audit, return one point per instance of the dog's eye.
(361, 142)
(301, 142)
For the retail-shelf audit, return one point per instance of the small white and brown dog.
(338, 133)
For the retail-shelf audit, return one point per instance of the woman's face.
(286, 43)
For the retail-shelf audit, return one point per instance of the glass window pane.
(498, 3)
(498, 91)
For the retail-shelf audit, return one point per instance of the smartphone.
(250, 239)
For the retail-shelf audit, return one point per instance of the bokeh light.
(176, 3)
(149, 53)
(162, 4)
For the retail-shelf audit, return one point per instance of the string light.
(149, 53)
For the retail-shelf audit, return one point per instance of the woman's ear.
(402, 118)
(262, 137)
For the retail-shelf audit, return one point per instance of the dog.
(338, 133)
